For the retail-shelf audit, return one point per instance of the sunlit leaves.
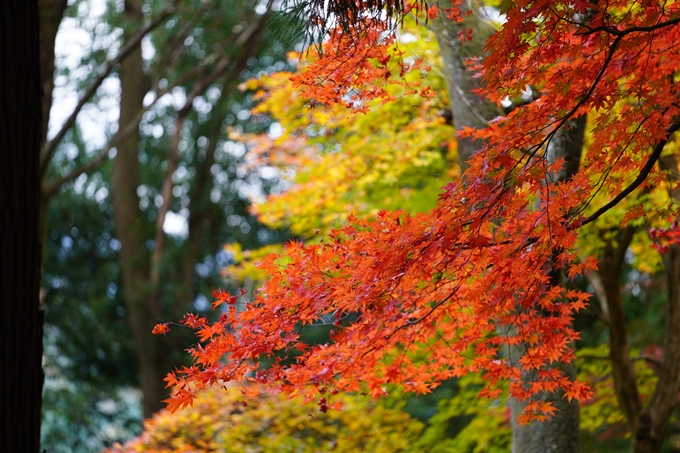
(233, 419)
(395, 156)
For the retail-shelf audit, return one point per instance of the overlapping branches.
(418, 299)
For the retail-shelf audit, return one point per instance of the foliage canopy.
(418, 299)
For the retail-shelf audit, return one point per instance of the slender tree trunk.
(648, 424)
(143, 271)
(204, 215)
(651, 425)
(623, 374)
(134, 257)
(21, 319)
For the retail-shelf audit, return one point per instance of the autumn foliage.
(418, 299)
(221, 420)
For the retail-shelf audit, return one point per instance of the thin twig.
(644, 172)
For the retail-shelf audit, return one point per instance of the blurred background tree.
(141, 187)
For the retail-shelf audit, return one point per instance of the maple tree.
(418, 299)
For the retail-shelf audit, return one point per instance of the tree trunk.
(467, 108)
(561, 433)
(134, 257)
(51, 14)
(203, 214)
(143, 274)
(21, 319)
(648, 424)
(652, 423)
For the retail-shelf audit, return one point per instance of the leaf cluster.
(418, 299)
(225, 420)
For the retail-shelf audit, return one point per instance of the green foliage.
(468, 423)
(89, 354)
(602, 412)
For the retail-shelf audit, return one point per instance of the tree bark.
(21, 319)
(467, 108)
(134, 257)
(623, 374)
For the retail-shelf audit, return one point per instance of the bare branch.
(48, 149)
(177, 48)
(173, 156)
(121, 135)
(96, 161)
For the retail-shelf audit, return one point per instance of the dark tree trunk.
(21, 320)
(648, 423)
(652, 423)
(51, 14)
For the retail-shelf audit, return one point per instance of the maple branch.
(534, 96)
(644, 172)
(621, 33)
(581, 102)
(426, 315)
(48, 149)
